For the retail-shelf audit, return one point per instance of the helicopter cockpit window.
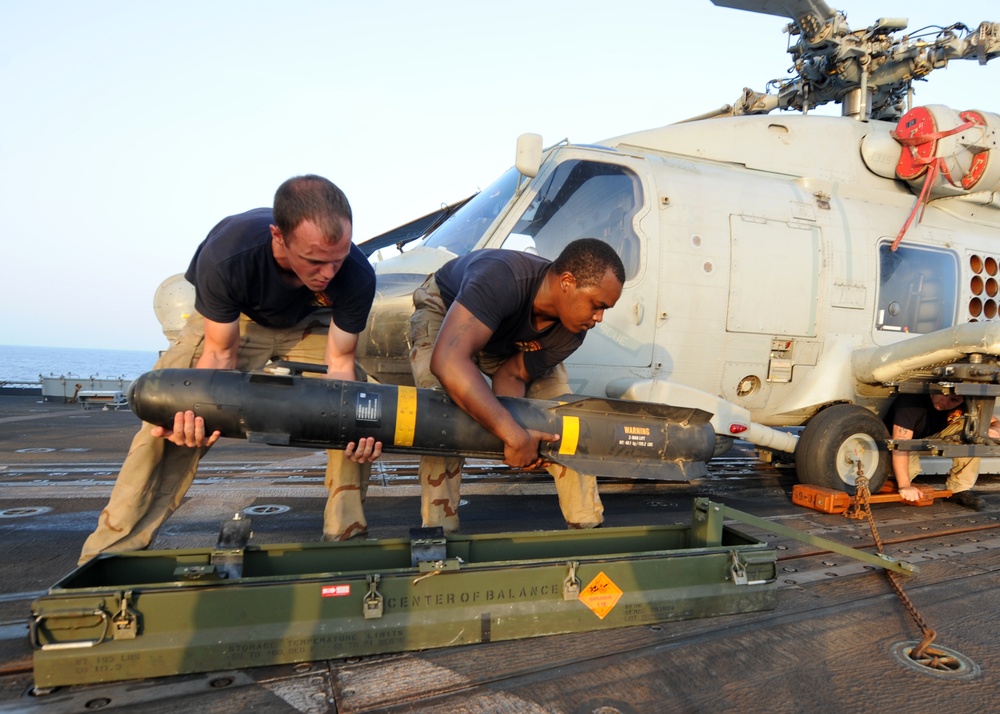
(462, 231)
(582, 199)
(918, 289)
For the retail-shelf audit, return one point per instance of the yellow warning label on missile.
(406, 416)
(570, 435)
(601, 595)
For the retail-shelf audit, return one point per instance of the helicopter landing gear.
(841, 443)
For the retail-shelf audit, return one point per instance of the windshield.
(462, 231)
(583, 199)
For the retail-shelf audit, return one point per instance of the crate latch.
(373, 600)
(427, 544)
(571, 583)
(227, 557)
(738, 571)
(125, 625)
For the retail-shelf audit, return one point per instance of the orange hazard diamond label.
(601, 595)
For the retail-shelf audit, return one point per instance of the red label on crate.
(335, 590)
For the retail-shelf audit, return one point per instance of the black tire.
(835, 436)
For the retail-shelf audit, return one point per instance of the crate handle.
(37, 621)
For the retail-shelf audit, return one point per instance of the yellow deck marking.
(570, 435)
(601, 595)
(406, 415)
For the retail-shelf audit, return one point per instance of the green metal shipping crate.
(156, 613)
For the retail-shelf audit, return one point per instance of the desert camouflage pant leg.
(347, 484)
(579, 500)
(964, 471)
(440, 491)
(157, 474)
(441, 477)
(346, 481)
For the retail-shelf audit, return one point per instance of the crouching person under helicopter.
(934, 416)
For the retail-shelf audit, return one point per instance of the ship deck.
(835, 642)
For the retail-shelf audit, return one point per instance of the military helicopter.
(839, 261)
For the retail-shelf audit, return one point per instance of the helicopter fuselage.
(762, 281)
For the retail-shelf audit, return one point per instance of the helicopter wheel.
(839, 440)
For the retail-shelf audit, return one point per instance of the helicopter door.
(759, 303)
(591, 199)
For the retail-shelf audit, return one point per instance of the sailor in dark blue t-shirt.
(283, 283)
(513, 317)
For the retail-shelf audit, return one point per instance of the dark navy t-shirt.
(234, 272)
(498, 287)
(916, 412)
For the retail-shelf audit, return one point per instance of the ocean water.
(29, 364)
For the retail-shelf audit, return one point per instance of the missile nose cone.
(131, 393)
(157, 396)
(136, 392)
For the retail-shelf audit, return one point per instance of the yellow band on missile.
(406, 415)
(570, 435)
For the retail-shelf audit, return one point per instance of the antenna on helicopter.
(868, 72)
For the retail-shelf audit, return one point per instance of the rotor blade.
(792, 9)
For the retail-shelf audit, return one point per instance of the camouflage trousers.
(157, 474)
(964, 471)
(440, 476)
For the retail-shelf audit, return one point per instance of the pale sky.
(129, 128)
